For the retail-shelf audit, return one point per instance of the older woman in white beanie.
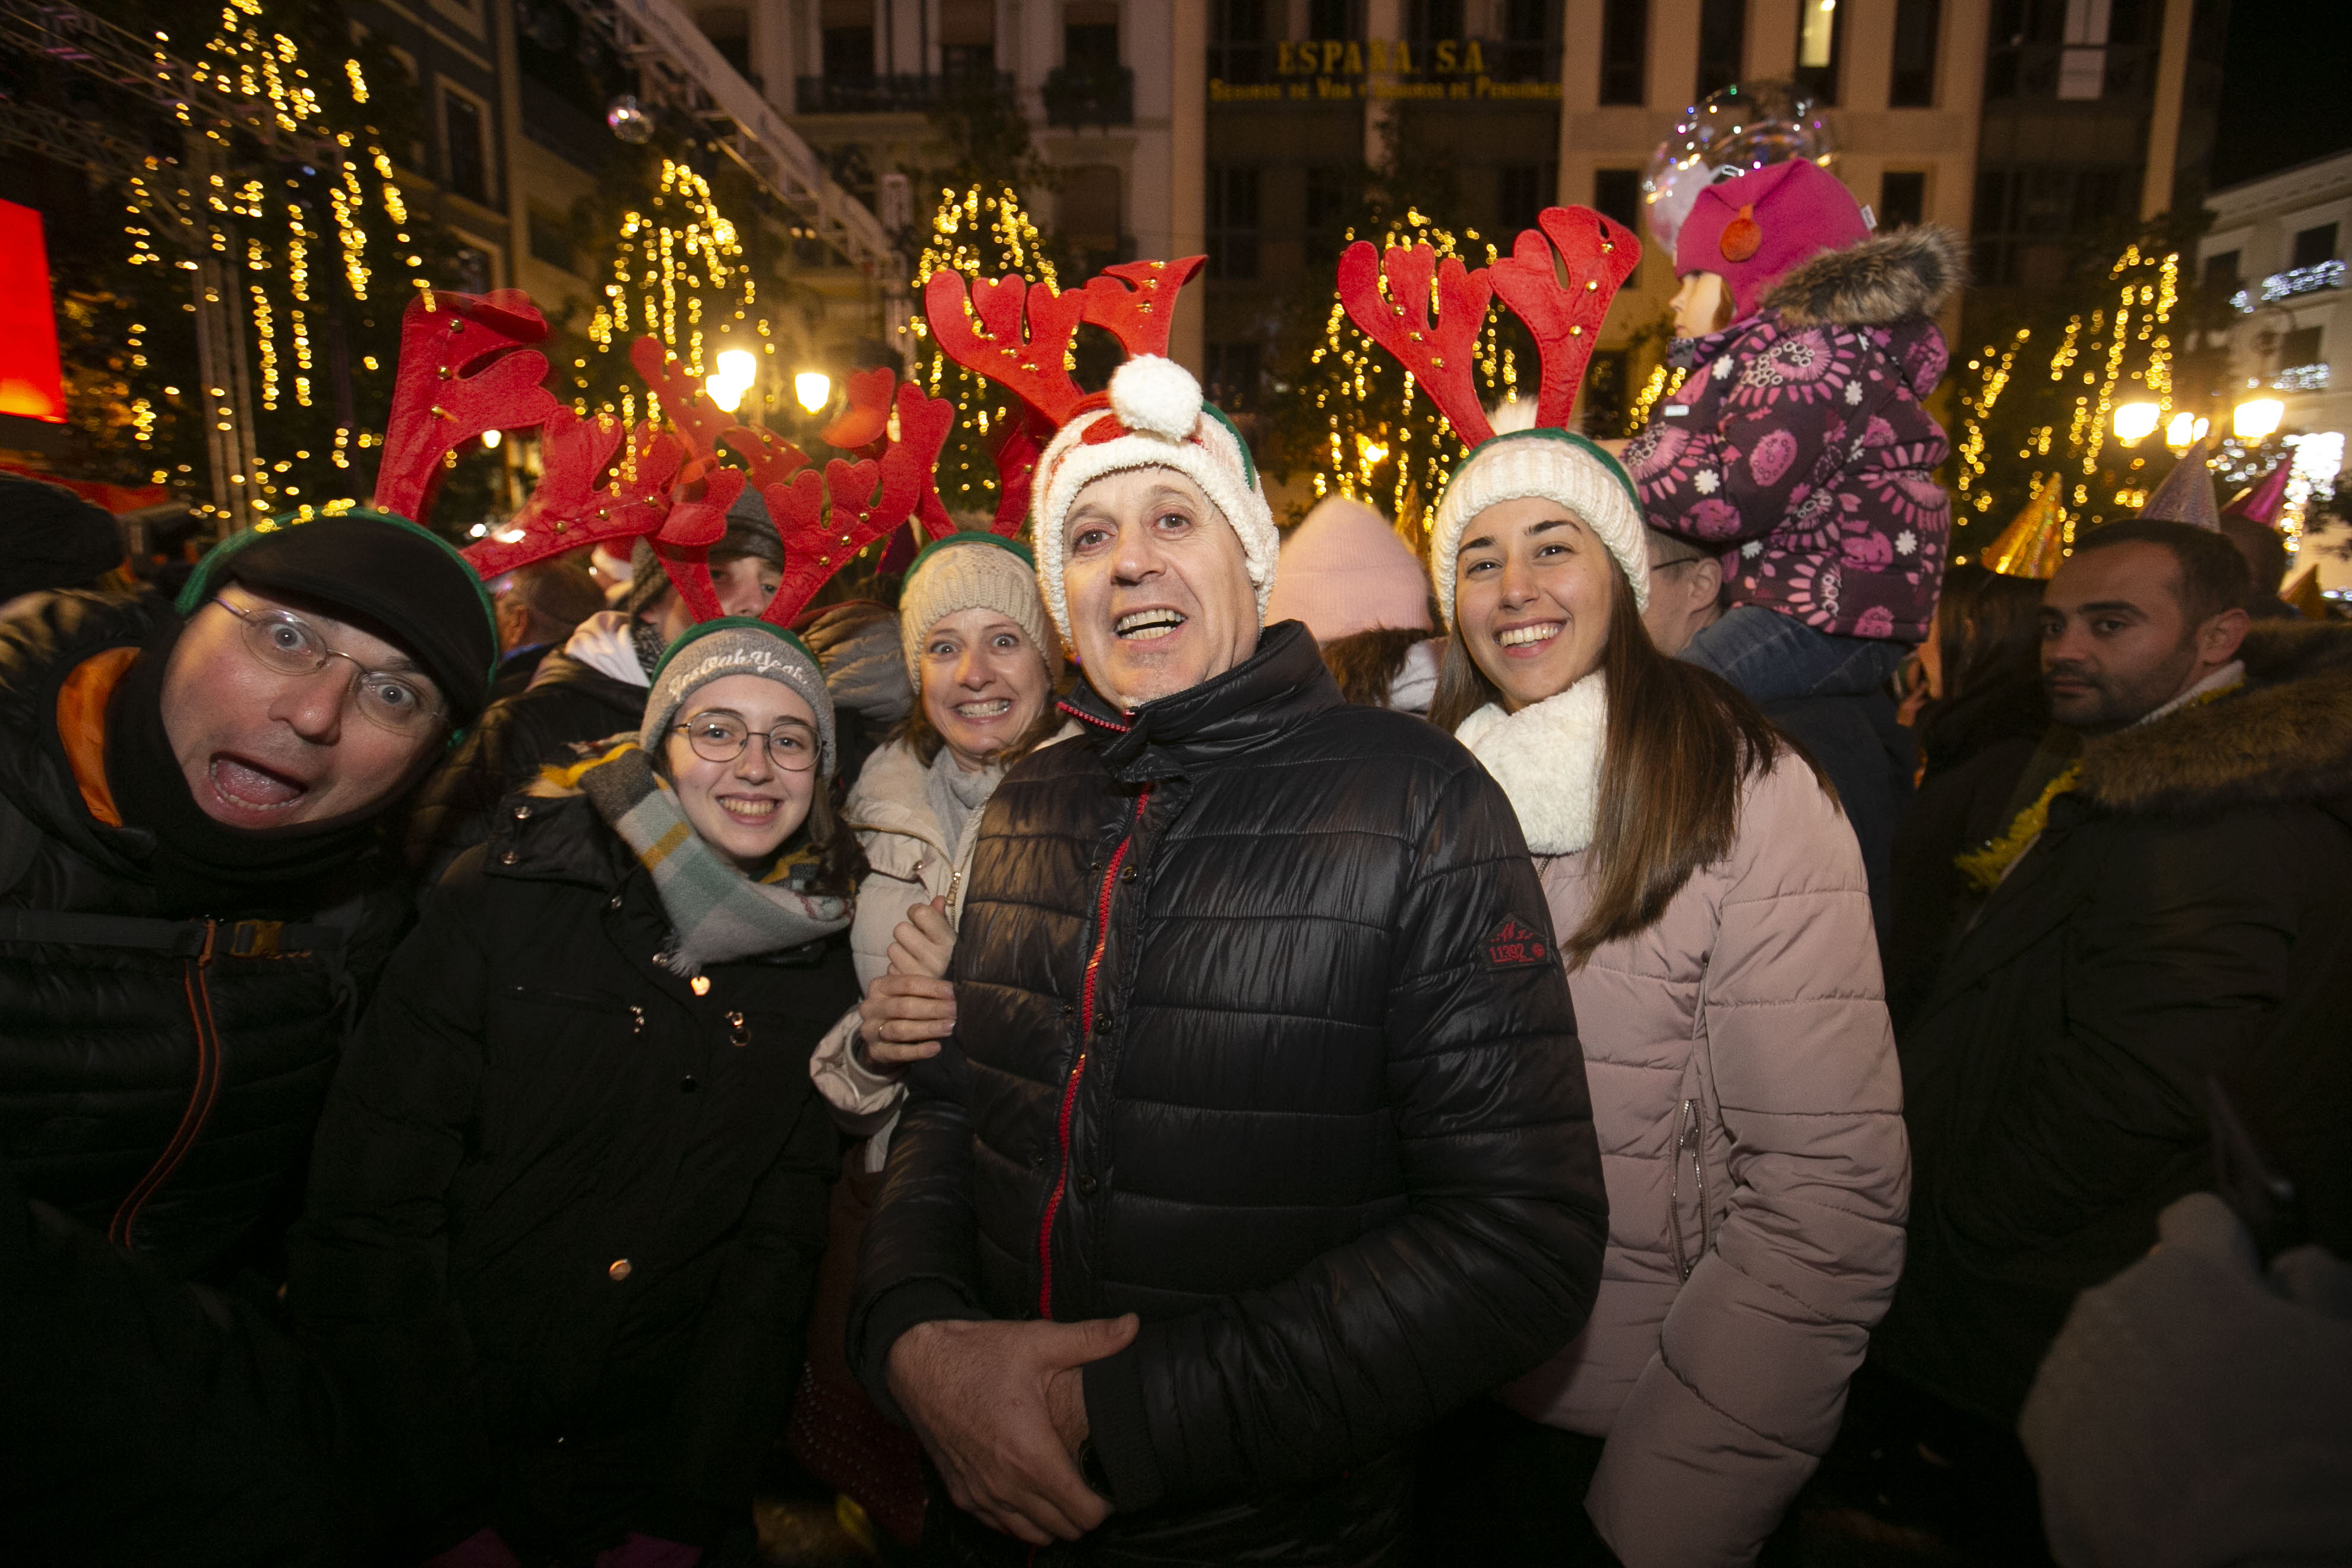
(982, 663)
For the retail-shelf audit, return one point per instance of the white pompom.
(1150, 393)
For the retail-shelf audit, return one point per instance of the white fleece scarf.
(1547, 757)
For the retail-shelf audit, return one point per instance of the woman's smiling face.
(984, 683)
(1532, 597)
(746, 806)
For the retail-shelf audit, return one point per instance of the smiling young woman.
(1716, 927)
(573, 1174)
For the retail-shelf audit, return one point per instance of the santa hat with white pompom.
(1152, 417)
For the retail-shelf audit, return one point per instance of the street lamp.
(2256, 417)
(2185, 430)
(812, 389)
(737, 369)
(2136, 421)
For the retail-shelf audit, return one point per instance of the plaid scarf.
(716, 912)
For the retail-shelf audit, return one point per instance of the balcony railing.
(2286, 284)
(2070, 71)
(1089, 95)
(890, 94)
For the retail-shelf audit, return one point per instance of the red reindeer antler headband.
(1561, 302)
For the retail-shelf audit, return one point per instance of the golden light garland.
(679, 272)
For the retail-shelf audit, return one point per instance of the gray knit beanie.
(737, 645)
(750, 532)
(972, 572)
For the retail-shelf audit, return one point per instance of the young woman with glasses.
(570, 1191)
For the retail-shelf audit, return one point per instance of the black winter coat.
(2183, 915)
(153, 1093)
(566, 1213)
(1261, 1034)
(569, 706)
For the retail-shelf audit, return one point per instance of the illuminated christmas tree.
(677, 270)
(979, 233)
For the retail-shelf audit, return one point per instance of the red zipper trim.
(1079, 1068)
(1080, 714)
(202, 1096)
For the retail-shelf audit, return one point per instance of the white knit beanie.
(1156, 420)
(1556, 465)
(972, 571)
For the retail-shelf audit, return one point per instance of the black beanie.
(53, 538)
(403, 582)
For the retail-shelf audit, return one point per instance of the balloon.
(1745, 127)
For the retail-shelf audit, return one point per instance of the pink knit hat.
(1751, 229)
(1345, 571)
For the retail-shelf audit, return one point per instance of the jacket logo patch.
(1515, 945)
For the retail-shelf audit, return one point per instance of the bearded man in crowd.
(2167, 913)
(1260, 1137)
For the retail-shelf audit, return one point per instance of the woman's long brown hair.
(1679, 743)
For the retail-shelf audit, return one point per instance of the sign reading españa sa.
(1329, 69)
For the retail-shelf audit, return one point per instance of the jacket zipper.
(1078, 1067)
(202, 1096)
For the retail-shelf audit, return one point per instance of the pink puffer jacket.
(1749, 1111)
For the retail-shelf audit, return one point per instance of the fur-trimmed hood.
(1887, 279)
(2284, 737)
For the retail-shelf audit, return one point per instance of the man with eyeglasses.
(194, 899)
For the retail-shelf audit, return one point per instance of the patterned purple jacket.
(1800, 445)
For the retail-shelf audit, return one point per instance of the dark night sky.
(2287, 86)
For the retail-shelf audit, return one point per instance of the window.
(1602, 403)
(462, 140)
(967, 37)
(551, 238)
(1722, 41)
(1916, 23)
(1521, 190)
(2313, 246)
(729, 28)
(470, 269)
(1625, 50)
(1090, 35)
(1617, 193)
(1427, 21)
(1233, 371)
(1820, 28)
(848, 51)
(2301, 347)
(1237, 51)
(1902, 198)
(1335, 19)
(1233, 221)
(2221, 274)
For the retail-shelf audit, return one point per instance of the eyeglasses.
(722, 737)
(284, 642)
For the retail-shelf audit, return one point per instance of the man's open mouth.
(994, 707)
(246, 783)
(1521, 636)
(1143, 626)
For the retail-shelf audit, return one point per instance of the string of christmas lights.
(679, 272)
(979, 234)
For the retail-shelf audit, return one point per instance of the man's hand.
(923, 941)
(1001, 1410)
(903, 1019)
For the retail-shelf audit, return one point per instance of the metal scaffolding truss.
(681, 70)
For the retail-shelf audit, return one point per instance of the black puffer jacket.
(1260, 1026)
(2182, 915)
(568, 706)
(153, 1092)
(565, 1219)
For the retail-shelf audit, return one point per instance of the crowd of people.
(1168, 1044)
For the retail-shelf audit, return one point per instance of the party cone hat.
(2302, 593)
(2035, 540)
(2186, 495)
(2263, 502)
